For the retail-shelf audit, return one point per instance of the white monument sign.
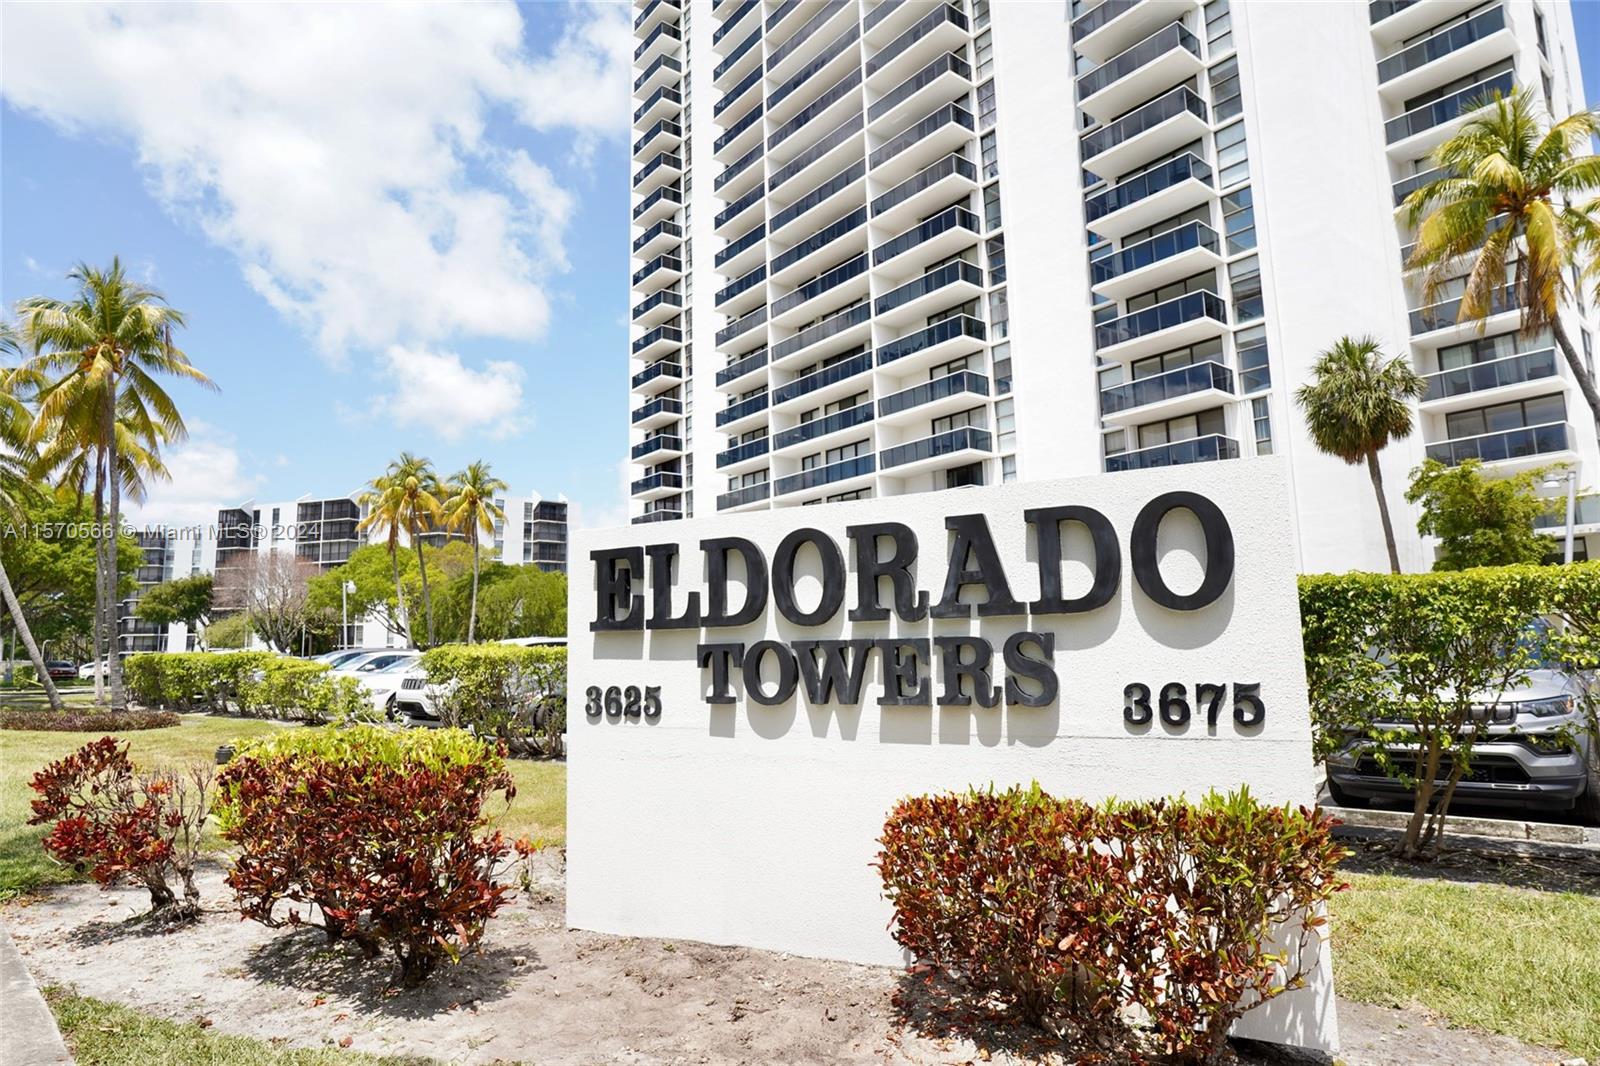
(751, 693)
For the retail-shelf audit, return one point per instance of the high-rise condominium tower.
(898, 246)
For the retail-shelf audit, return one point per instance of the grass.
(104, 1034)
(1514, 961)
(539, 809)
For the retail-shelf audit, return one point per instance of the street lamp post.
(347, 587)
(1571, 478)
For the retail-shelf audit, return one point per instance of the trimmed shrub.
(192, 680)
(379, 830)
(1074, 914)
(300, 690)
(502, 690)
(88, 721)
(115, 823)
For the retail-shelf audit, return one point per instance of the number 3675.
(1138, 708)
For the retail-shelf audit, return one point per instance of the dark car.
(60, 670)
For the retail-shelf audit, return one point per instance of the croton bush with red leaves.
(1186, 915)
(373, 835)
(115, 823)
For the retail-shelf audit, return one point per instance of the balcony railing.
(838, 422)
(967, 438)
(924, 26)
(828, 54)
(658, 514)
(851, 268)
(1133, 257)
(666, 92)
(737, 54)
(668, 62)
(963, 382)
(821, 239)
(845, 86)
(849, 318)
(1179, 453)
(664, 159)
(660, 368)
(819, 379)
(931, 282)
(671, 229)
(1184, 381)
(952, 218)
(661, 405)
(832, 187)
(879, 13)
(1146, 183)
(1098, 16)
(666, 192)
(950, 164)
(1406, 186)
(938, 333)
(1491, 374)
(1174, 312)
(949, 63)
(660, 262)
(731, 134)
(1378, 10)
(818, 476)
(781, 13)
(804, 33)
(742, 325)
(735, 94)
(740, 367)
(742, 284)
(1148, 116)
(944, 116)
(740, 497)
(1448, 313)
(1118, 67)
(738, 166)
(664, 479)
(740, 452)
(660, 333)
(1587, 513)
(739, 206)
(1508, 444)
(665, 297)
(732, 21)
(746, 241)
(1453, 106)
(743, 408)
(661, 442)
(666, 29)
(663, 125)
(847, 129)
(1442, 43)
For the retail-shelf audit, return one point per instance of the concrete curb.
(31, 1037)
(1493, 828)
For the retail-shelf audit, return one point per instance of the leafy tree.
(471, 508)
(405, 498)
(183, 599)
(1507, 196)
(526, 602)
(229, 631)
(278, 602)
(1356, 403)
(1480, 521)
(102, 352)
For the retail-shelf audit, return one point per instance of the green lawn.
(1515, 961)
(539, 809)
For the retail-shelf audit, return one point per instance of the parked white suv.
(380, 674)
(416, 704)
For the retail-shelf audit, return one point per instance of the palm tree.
(417, 487)
(471, 507)
(383, 510)
(1506, 198)
(102, 351)
(1356, 403)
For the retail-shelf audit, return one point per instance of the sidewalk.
(31, 1038)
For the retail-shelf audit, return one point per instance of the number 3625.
(616, 702)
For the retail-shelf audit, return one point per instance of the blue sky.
(406, 235)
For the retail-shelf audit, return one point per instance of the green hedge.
(503, 690)
(258, 683)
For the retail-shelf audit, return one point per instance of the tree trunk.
(399, 594)
(28, 642)
(97, 631)
(1580, 373)
(1383, 511)
(1427, 771)
(119, 700)
(427, 603)
(472, 612)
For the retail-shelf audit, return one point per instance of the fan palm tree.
(100, 354)
(471, 507)
(383, 511)
(419, 490)
(1506, 199)
(1356, 403)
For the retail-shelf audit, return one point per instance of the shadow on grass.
(304, 959)
(1510, 863)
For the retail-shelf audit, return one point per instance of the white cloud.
(341, 151)
(207, 473)
(435, 390)
(611, 514)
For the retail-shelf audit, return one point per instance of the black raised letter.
(904, 684)
(972, 539)
(844, 667)
(910, 604)
(755, 568)
(832, 577)
(1042, 669)
(1219, 550)
(953, 669)
(613, 589)
(787, 673)
(661, 557)
(720, 657)
(1046, 522)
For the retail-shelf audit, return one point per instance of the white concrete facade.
(952, 243)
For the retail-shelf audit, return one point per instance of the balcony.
(739, 368)
(815, 432)
(1180, 453)
(740, 137)
(1414, 132)
(941, 236)
(654, 14)
(738, 254)
(658, 377)
(950, 284)
(1183, 391)
(848, 470)
(1166, 58)
(804, 258)
(665, 102)
(933, 399)
(1150, 264)
(829, 65)
(750, 494)
(658, 514)
(835, 288)
(1406, 186)
(838, 148)
(737, 414)
(731, 23)
(944, 29)
(942, 183)
(1143, 199)
(821, 203)
(1511, 449)
(939, 343)
(660, 272)
(1396, 20)
(741, 175)
(1114, 25)
(945, 80)
(743, 293)
(658, 237)
(738, 211)
(950, 448)
(1166, 123)
(1453, 52)
(661, 411)
(662, 40)
(744, 333)
(663, 72)
(781, 60)
(836, 333)
(949, 128)
(779, 18)
(664, 169)
(744, 456)
(659, 447)
(1510, 377)
(826, 111)
(663, 203)
(665, 135)
(1445, 316)
(655, 486)
(661, 307)
(657, 342)
(1586, 517)
(839, 379)
(744, 58)
(1181, 321)
(737, 93)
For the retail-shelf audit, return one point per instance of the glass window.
(991, 206)
(1219, 27)
(1239, 220)
(980, 14)
(999, 315)
(1251, 347)
(983, 51)
(1225, 99)
(1002, 368)
(986, 105)
(996, 250)
(991, 156)
(1261, 415)
(1005, 424)
(1008, 468)
(1244, 278)
(1233, 156)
